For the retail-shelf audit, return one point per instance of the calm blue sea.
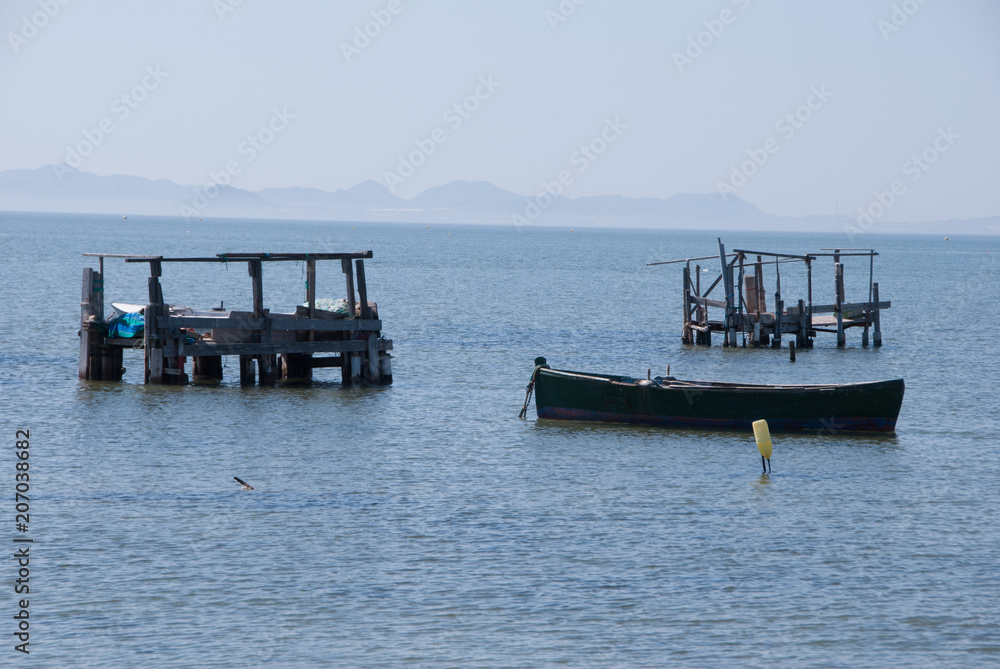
(425, 525)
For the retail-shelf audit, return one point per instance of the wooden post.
(373, 373)
(267, 364)
(111, 363)
(868, 312)
(247, 371)
(701, 313)
(803, 332)
(352, 362)
(809, 316)
(355, 368)
(761, 305)
(88, 337)
(366, 312)
(838, 271)
(345, 264)
(151, 315)
(791, 351)
(877, 323)
(385, 368)
(254, 269)
(207, 368)
(728, 326)
(345, 369)
(296, 367)
(739, 305)
(686, 330)
(311, 293)
(268, 373)
(779, 314)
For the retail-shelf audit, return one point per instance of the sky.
(881, 106)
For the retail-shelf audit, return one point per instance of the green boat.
(830, 408)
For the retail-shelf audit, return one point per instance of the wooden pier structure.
(745, 311)
(270, 346)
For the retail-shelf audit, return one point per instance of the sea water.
(423, 524)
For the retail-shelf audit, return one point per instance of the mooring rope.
(527, 394)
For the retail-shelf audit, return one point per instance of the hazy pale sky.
(797, 107)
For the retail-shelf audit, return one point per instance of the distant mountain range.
(58, 188)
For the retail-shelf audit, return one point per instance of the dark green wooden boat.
(830, 408)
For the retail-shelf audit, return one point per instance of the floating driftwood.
(269, 345)
(745, 311)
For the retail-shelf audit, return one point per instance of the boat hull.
(853, 407)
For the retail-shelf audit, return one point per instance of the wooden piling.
(740, 302)
(686, 330)
(151, 331)
(700, 311)
(268, 372)
(311, 293)
(809, 316)
(779, 312)
(345, 369)
(877, 337)
(801, 336)
(838, 271)
(372, 371)
(352, 304)
(385, 364)
(206, 368)
(296, 367)
(247, 370)
(89, 336)
(366, 311)
(729, 324)
(111, 363)
(758, 272)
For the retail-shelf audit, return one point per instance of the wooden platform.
(744, 302)
(270, 346)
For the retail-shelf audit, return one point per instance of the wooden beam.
(848, 307)
(300, 324)
(244, 257)
(256, 349)
(705, 302)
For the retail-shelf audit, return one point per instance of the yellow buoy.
(763, 437)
